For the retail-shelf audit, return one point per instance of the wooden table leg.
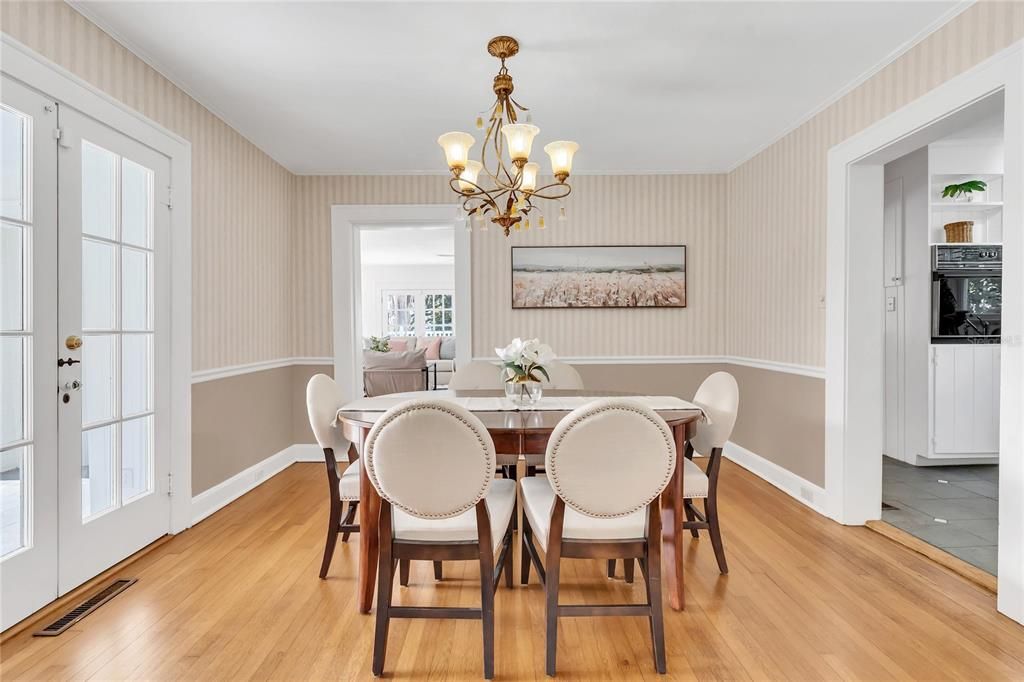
(369, 541)
(672, 526)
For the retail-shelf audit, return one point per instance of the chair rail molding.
(854, 358)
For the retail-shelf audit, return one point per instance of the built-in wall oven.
(967, 293)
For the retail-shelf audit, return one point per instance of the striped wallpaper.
(261, 271)
(609, 210)
(777, 211)
(241, 198)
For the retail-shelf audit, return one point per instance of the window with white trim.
(419, 312)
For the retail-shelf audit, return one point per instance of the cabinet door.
(965, 399)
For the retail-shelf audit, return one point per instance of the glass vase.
(524, 393)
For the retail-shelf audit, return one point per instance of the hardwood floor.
(237, 597)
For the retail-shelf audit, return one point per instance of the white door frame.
(346, 220)
(37, 72)
(854, 317)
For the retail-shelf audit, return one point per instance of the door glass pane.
(98, 469)
(99, 378)
(12, 277)
(99, 281)
(12, 388)
(12, 500)
(135, 383)
(134, 289)
(136, 203)
(136, 452)
(14, 134)
(99, 191)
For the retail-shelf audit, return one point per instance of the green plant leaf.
(544, 372)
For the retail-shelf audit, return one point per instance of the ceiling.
(407, 245)
(342, 87)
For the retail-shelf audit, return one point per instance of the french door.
(96, 314)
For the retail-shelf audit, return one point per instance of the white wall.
(376, 278)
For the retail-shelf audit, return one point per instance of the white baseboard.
(306, 452)
(226, 492)
(785, 480)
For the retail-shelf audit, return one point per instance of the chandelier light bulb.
(529, 181)
(561, 154)
(519, 137)
(469, 175)
(456, 148)
(540, 223)
(562, 218)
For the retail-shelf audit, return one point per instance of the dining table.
(519, 430)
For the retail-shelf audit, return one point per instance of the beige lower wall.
(781, 416)
(239, 421)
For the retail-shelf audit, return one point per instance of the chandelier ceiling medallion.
(496, 189)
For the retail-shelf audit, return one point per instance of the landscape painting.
(599, 277)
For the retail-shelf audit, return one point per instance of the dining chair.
(476, 375)
(323, 400)
(432, 462)
(719, 396)
(607, 463)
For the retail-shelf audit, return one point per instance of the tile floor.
(951, 507)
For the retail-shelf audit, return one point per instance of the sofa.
(439, 370)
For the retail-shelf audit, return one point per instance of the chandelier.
(492, 188)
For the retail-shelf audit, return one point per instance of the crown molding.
(867, 75)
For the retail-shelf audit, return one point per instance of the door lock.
(70, 361)
(75, 385)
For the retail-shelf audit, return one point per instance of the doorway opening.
(407, 298)
(943, 299)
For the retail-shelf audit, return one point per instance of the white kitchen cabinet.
(965, 400)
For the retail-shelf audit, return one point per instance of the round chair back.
(719, 395)
(323, 400)
(476, 375)
(563, 376)
(430, 458)
(610, 457)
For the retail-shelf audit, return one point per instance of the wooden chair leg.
(611, 568)
(627, 569)
(349, 518)
(332, 538)
(509, 559)
(652, 573)
(689, 516)
(715, 531)
(403, 572)
(487, 613)
(438, 570)
(525, 536)
(552, 569)
(385, 584)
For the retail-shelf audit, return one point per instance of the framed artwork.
(598, 277)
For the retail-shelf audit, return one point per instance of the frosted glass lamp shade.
(561, 154)
(519, 138)
(456, 148)
(530, 171)
(469, 176)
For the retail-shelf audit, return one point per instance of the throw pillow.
(431, 344)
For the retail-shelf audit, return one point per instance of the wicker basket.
(959, 232)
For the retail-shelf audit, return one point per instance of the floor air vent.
(85, 608)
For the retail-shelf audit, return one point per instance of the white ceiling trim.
(81, 8)
(962, 6)
(861, 79)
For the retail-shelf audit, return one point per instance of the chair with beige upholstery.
(323, 400)
(607, 463)
(476, 375)
(720, 397)
(433, 464)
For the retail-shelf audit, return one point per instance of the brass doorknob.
(73, 342)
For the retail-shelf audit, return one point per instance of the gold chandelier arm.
(566, 191)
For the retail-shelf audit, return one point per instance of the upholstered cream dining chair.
(607, 463)
(323, 400)
(476, 375)
(719, 395)
(433, 464)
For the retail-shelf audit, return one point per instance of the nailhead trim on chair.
(565, 426)
(437, 406)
